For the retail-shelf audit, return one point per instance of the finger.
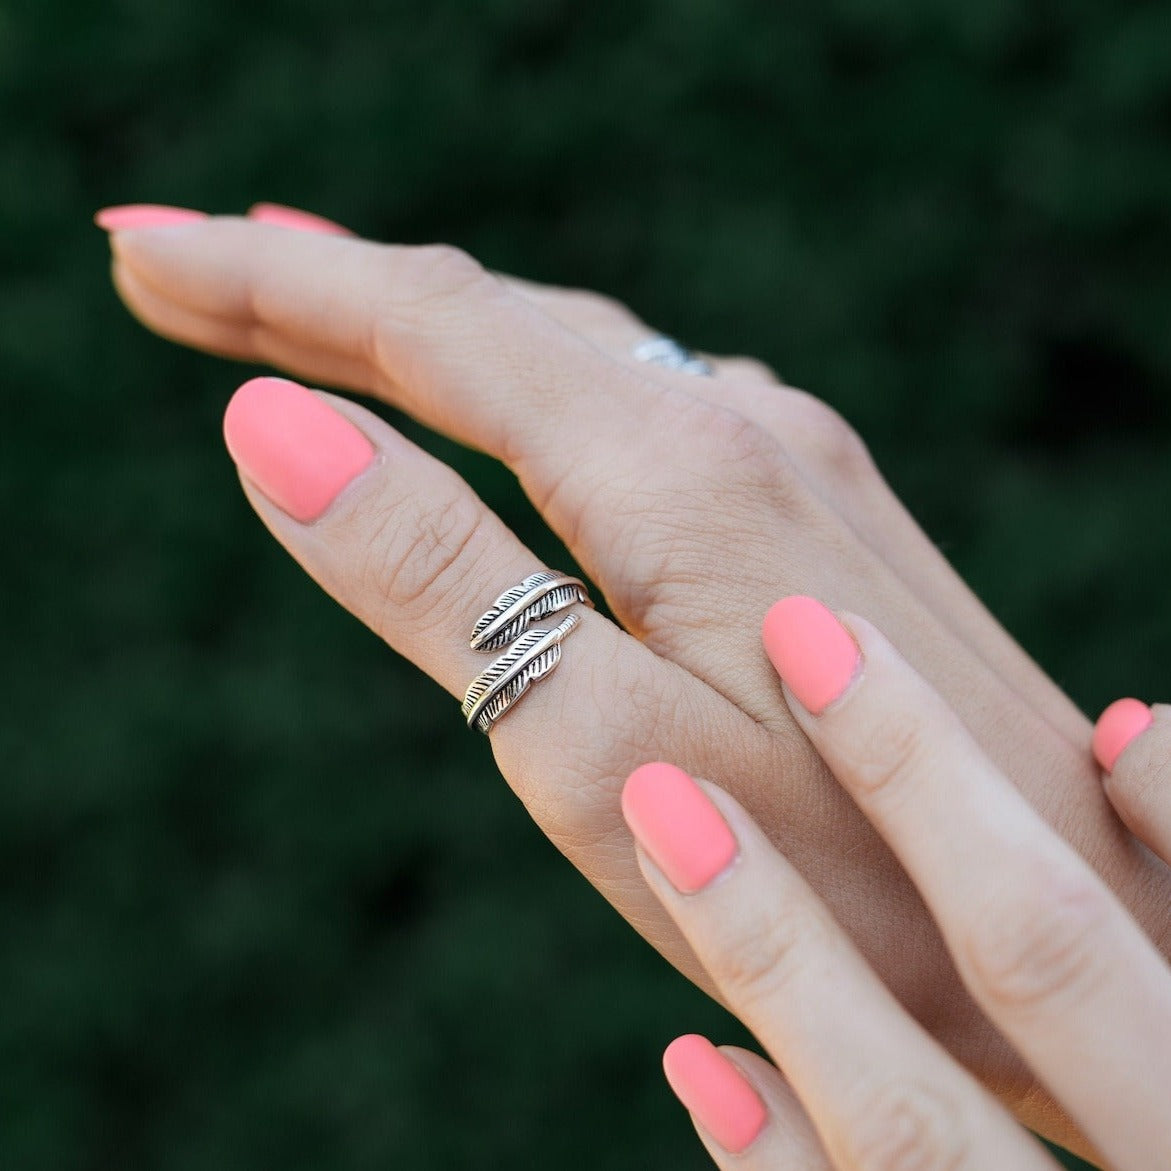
(1043, 946)
(1132, 743)
(615, 328)
(437, 334)
(606, 322)
(242, 340)
(743, 1111)
(879, 1090)
(402, 542)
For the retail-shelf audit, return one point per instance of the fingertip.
(677, 825)
(293, 445)
(1117, 727)
(647, 781)
(715, 1091)
(810, 649)
(677, 1053)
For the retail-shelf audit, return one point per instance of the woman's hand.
(1043, 947)
(691, 502)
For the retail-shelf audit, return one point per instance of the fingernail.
(1117, 726)
(812, 651)
(293, 445)
(295, 220)
(145, 215)
(675, 822)
(715, 1091)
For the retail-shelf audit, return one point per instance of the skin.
(692, 504)
(1051, 957)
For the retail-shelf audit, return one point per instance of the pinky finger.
(743, 1110)
(1132, 743)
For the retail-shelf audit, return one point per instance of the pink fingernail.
(1117, 726)
(672, 819)
(129, 216)
(295, 219)
(715, 1091)
(293, 445)
(811, 650)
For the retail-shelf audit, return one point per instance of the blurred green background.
(265, 902)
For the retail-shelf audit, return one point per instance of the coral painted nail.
(295, 220)
(715, 1091)
(293, 445)
(1117, 726)
(675, 822)
(811, 650)
(132, 216)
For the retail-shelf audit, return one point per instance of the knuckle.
(659, 530)
(735, 457)
(1038, 946)
(745, 369)
(891, 753)
(421, 291)
(833, 445)
(906, 1126)
(438, 273)
(757, 962)
(587, 307)
(415, 558)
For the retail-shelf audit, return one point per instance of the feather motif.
(509, 616)
(534, 655)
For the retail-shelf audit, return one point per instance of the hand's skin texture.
(692, 504)
(1047, 952)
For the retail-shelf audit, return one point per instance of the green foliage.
(255, 916)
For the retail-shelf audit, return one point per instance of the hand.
(691, 502)
(1048, 953)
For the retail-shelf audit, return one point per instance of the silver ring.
(538, 596)
(532, 653)
(533, 656)
(666, 351)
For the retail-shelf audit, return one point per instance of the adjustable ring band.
(666, 351)
(533, 656)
